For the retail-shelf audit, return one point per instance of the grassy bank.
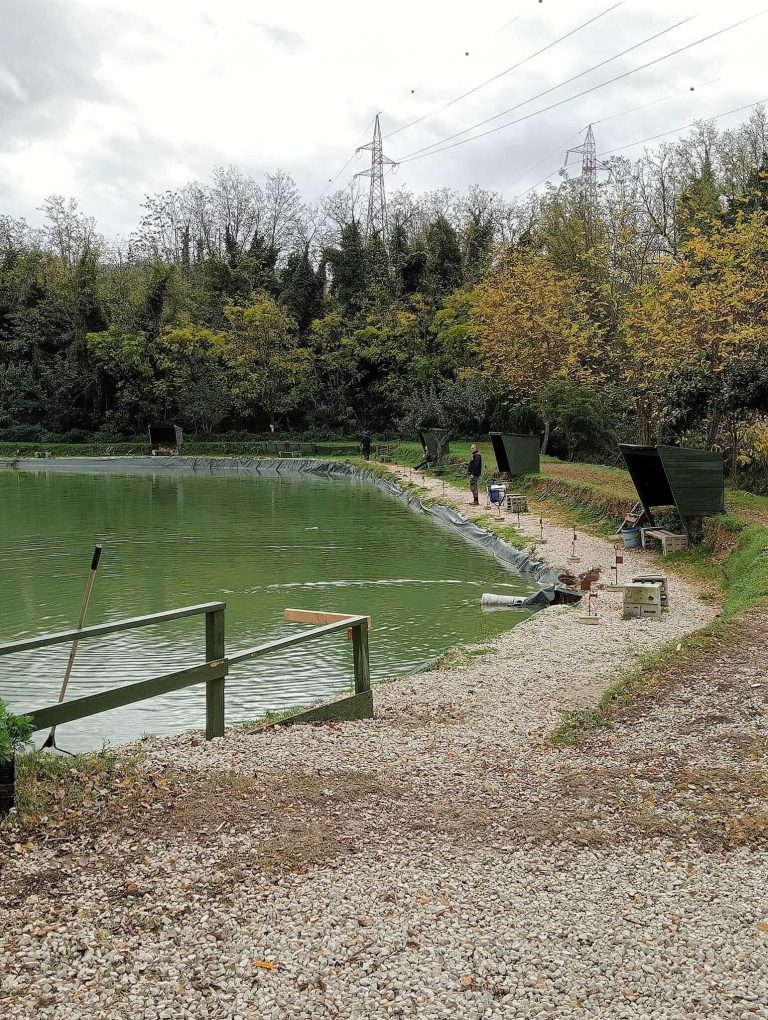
(731, 565)
(191, 448)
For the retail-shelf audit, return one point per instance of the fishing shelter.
(692, 481)
(516, 454)
(436, 442)
(165, 437)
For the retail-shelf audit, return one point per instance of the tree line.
(633, 310)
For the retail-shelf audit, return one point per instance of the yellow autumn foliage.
(531, 324)
(710, 307)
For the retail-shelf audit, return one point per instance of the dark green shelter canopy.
(516, 454)
(436, 441)
(169, 436)
(691, 480)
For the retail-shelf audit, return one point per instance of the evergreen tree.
(348, 265)
(263, 260)
(754, 198)
(444, 268)
(478, 245)
(379, 283)
(185, 259)
(408, 266)
(302, 290)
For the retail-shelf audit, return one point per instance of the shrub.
(15, 732)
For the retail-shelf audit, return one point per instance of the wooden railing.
(212, 672)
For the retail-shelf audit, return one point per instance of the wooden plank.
(99, 630)
(356, 706)
(118, 697)
(360, 659)
(318, 617)
(214, 688)
(293, 639)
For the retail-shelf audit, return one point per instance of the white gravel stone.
(416, 920)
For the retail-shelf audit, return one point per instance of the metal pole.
(50, 740)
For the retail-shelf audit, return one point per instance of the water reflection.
(260, 544)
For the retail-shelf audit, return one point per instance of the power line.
(553, 88)
(579, 95)
(654, 102)
(413, 91)
(544, 159)
(653, 138)
(339, 172)
(604, 120)
(355, 151)
(501, 74)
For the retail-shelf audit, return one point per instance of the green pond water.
(260, 544)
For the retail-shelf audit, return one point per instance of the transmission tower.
(588, 152)
(377, 199)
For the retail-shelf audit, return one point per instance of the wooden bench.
(383, 451)
(670, 542)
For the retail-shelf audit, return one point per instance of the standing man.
(474, 469)
(366, 444)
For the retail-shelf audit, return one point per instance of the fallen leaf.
(264, 964)
(762, 925)
(467, 981)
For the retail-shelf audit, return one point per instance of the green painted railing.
(212, 672)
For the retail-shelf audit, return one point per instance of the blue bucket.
(631, 538)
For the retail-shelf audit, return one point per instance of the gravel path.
(441, 860)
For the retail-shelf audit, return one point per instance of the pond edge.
(522, 561)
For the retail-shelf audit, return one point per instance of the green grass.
(746, 571)
(49, 783)
(271, 718)
(191, 447)
(743, 577)
(504, 531)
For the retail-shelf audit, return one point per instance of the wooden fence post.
(360, 657)
(214, 689)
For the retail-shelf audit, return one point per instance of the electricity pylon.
(376, 223)
(588, 152)
(589, 167)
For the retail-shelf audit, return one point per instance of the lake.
(261, 544)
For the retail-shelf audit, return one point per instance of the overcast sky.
(107, 100)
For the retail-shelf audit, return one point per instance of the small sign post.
(573, 557)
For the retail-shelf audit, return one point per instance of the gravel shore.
(441, 860)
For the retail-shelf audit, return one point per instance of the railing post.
(360, 657)
(214, 689)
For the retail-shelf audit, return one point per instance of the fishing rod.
(50, 740)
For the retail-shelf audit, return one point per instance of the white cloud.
(108, 101)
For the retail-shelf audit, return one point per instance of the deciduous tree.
(532, 326)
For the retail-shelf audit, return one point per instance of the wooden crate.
(516, 503)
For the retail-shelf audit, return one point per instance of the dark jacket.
(475, 465)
